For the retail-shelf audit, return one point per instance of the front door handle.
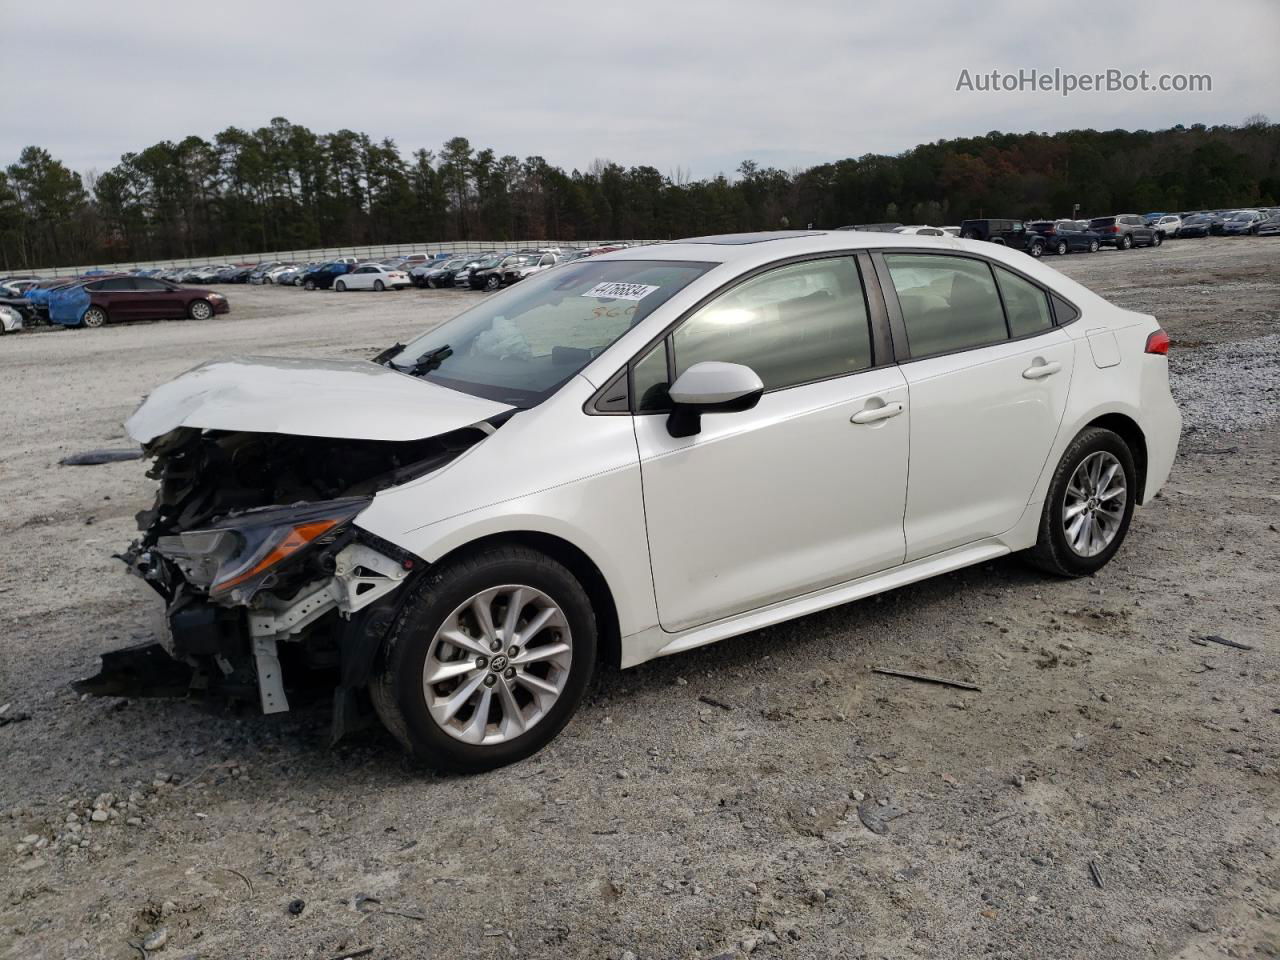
(876, 414)
(1041, 370)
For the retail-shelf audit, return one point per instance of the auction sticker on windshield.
(621, 291)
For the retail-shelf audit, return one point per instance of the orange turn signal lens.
(297, 538)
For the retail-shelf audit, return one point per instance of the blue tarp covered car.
(68, 304)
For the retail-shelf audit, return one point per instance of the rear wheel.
(1036, 250)
(1126, 242)
(379, 286)
(1088, 507)
(200, 310)
(489, 660)
(94, 317)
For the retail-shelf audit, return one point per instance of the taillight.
(1158, 342)
(1115, 229)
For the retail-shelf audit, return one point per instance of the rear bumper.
(1162, 424)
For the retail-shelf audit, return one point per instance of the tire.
(1054, 551)
(199, 310)
(1126, 242)
(379, 286)
(493, 282)
(340, 287)
(1036, 250)
(1061, 248)
(1157, 239)
(448, 595)
(429, 284)
(94, 317)
(309, 285)
(1094, 246)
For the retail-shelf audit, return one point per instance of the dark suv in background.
(1066, 236)
(1125, 230)
(1009, 233)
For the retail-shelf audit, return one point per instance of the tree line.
(284, 187)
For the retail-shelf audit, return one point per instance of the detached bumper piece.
(145, 670)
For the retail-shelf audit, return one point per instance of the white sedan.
(10, 319)
(633, 455)
(372, 276)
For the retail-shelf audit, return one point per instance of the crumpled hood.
(351, 399)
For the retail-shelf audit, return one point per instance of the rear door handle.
(876, 414)
(1041, 370)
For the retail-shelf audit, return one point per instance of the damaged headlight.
(235, 559)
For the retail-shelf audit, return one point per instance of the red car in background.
(147, 298)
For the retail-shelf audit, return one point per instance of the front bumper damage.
(251, 650)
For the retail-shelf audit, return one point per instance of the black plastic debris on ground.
(92, 458)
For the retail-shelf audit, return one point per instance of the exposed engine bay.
(267, 583)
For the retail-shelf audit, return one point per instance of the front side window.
(520, 346)
(948, 303)
(792, 325)
(1026, 304)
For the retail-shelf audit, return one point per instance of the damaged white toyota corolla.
(629, 456)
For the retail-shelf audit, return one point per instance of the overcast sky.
(693, 84)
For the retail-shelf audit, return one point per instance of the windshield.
(520, 346)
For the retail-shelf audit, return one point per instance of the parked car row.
(98, 297)
(1123, 231)
(1258, 222)
(487, 270)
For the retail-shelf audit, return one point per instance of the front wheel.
(200, 310)
(1093, 246)
(493, 282)
(309, 285)
(1037, 250)
(1088, 507)
(341, 287)
(1062, 248)
(488, 661)
(1157, 239)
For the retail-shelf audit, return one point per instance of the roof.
(742, 248)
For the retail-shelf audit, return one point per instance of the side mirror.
(711, 387)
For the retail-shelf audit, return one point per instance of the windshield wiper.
(385, 356)
(430, 360)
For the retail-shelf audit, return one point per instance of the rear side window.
(115, 285)
(948, 303)
(1026, 305)
(792, 325)
(1102, 222)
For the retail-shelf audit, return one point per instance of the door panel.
(778, 501)
(982, 424)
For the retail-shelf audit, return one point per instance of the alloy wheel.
(1094, 504)
(201, 310)
(497, 664)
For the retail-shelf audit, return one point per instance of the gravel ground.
(768, 795)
